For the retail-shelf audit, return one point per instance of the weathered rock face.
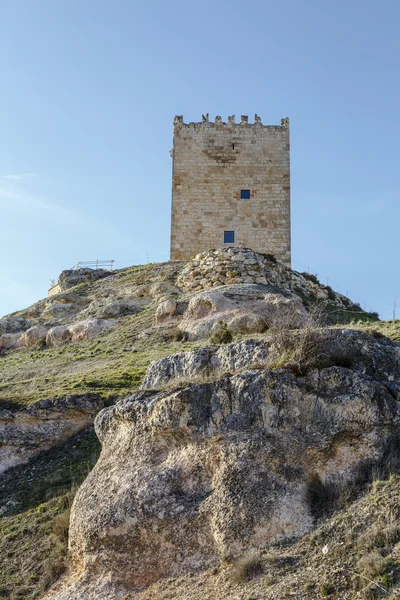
(58, 335)
(33, 335)
(205, 362)
(85, 330)
(376, 358)
(14, 324)
(72, 277)
(119, 308)
(188, 476)
(9, 340)
(245, 308)
(42, 425)
(165, 310)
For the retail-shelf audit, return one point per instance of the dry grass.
(221, 335)
(297, 342)
(60, 526)
(371, 565)
(247, 567)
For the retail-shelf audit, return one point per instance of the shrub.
(176, 335)
(327, 589)
(221, 335)
(61, 526)
(371, 566)
(311, 277)
(247, 567)
(54, 567)
(331, 293)
(297, 342)
(379, 537)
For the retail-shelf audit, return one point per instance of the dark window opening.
(229, 237)
(233, 146)
(245, 194)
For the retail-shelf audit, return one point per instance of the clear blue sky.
(89, 89)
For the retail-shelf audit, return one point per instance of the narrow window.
(233, 146)
(245, 194)
(229, 237)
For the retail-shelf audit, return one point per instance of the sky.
(89, 90)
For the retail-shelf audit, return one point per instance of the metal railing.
(95, 264)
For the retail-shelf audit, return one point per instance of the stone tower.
(230, 187)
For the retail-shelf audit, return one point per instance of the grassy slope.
(112, 364)
(32, 534)
(35, 501)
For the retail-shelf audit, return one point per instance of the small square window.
(245, 194)
(229, 237)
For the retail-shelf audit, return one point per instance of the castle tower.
(230, 187)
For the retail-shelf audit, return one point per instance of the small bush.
(54, 567)
(247, 567)
(311, 277)
(176, 335)
(297, 342)
(61, 526)
(221, 335)
(331, 293)
(387, 579)
(379, 537)
(371, 566)
(327, 589)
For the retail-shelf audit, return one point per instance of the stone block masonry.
(230, 187)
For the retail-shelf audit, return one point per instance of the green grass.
(112, 364)
(28, 549)
(35, 499)
(106, 364)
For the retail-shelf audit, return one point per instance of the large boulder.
(165, 310)
(71, 277)
(119, 308)
(59, 311)
(58, 335)
(9, 341)
(378, 358)
(205, 362)
(89, 328)
(33, 335)
(189, 476)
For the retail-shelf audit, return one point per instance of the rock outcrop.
(245, 308)
(72, 277)
(190, 475)
(228, 266)
(40, 426)
(33, 335)
(89, 328)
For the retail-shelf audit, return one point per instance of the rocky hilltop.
(233, 415)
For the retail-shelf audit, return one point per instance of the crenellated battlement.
(231, 122)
